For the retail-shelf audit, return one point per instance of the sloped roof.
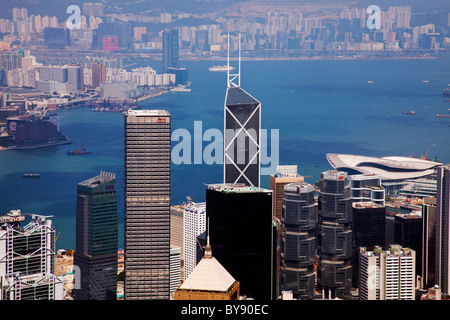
(237, 96)
(208, 275)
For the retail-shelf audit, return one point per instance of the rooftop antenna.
(232, 77)
(208, 253)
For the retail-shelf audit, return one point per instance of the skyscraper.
(443, 228)
(428, 242)
(194, 225)
(147, 204)
(241, 227)
(284, 175)
(242, 122)
(98, 74)
(368, 229)
(27, 259)
(299, 241)
(334, 248)
(97, 238)
(170, 42)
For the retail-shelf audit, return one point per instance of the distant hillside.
(58, 7)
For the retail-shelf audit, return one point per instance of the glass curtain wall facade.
(147, 204)
(299, 241)
(242, 138)
(334, 248)
(241, 231)
(97, 238)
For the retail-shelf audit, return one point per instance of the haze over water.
(319, 107)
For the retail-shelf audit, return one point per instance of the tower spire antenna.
(239, 72)
(232, 77)
(208, 252)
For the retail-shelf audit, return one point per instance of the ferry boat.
(221, 68)
(180, 89)
(31, 175)
(412, 112)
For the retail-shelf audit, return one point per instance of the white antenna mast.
(232, 77)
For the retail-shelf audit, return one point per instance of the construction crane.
(57, 236)
(425, 156)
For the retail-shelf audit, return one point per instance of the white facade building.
(194, 225)
(26, 259)
(387, 275)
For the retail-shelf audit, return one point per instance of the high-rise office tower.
(27, 269)
(98, 74)
(428, 242)
(97, 238)
(171, 47)
(194, 225)
(283, 176)
(147, 204)
(242, 134)
(368, 229)
(387, 275)
(240, 227)
(408, 233)
(299, 241)
(367, 187)
(334, 245)
(442, 263)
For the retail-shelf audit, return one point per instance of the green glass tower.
(97, 238)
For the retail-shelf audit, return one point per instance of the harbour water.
(319, 107)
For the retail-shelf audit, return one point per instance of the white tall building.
(175, 268)
(27, 259)
(194, 225)
(387, 275)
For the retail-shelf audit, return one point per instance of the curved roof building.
(388, 168)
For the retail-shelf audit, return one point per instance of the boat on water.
(31, 175)
(221, 68)
(443, 116)
(370, 81)
(425, 81)
(180, 89)
(80, 151)
(412, 112)
(446, 92)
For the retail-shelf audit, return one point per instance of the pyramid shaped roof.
(208, 275)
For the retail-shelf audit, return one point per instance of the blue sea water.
(318, 107)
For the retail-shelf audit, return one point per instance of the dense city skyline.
(273, 221)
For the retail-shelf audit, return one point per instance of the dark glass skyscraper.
(299, 243)
(97, 238)
(368, 229)
(171, 47)
(147, 204)
(242, 138)
(241, 228)
(442, 263)
(334, 248)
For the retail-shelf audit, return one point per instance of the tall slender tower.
(147, 204)
(170, 49)
(442, 267)
(242, 126)
(97, 238)
(299, 241)
(334, 245)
